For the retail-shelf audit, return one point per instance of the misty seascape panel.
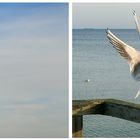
(33, 70)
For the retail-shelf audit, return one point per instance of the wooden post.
(77, 123)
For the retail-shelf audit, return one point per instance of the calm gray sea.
(94, 58)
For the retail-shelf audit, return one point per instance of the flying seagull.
(129, 53)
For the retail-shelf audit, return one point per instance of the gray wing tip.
(134, 12)
(107, 31)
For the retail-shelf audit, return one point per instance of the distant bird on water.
(127, 52)
(87, 80)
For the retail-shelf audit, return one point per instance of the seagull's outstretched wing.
(126, 51)
(138, 93)
(136, 22)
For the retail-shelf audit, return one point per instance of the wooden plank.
(111, 107)
(87, 107)
(122, 109)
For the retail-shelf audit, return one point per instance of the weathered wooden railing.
(110, 107)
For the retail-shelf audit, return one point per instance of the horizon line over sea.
(103, 28)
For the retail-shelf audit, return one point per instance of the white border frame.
(70, 70)
(70, 2)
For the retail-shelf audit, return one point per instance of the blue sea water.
(94, 58)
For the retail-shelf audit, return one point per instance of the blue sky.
(34, 70)
(30, 16)
(103, 15)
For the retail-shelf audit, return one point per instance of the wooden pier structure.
(110, 107)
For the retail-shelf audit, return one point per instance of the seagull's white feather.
(136, 22)
(126, 51)
(138, 93)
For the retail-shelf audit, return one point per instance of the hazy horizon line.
(82, 28)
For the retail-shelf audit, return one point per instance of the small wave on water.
(107, 127)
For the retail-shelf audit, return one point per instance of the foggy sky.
(103, 15)
(33, 70)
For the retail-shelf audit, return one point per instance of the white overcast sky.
(103, 15)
